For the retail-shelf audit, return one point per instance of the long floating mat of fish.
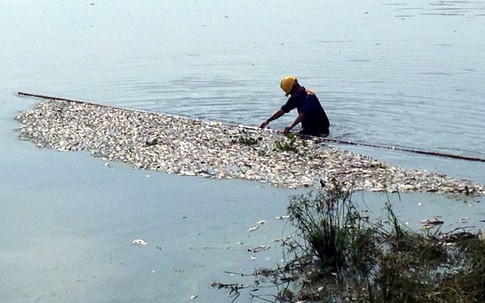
(184, 146)
(331, 140)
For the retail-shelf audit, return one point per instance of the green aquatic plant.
(351, 258)
(337, 242)
(287, 143)
(336, 254)
(248, 139)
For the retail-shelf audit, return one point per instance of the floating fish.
(212, 149)
(139, 242)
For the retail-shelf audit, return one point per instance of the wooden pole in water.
(322, 139)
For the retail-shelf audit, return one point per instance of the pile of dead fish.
(193, 147)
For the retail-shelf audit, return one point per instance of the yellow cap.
(287, 84)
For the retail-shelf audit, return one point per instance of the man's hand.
(295, 123)
(264, 124)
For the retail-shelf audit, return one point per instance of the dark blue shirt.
(315, 120)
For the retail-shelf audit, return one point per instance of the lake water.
(400, 73)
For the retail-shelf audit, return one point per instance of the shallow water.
(407, 73)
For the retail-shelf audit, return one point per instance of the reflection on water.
(441, 8)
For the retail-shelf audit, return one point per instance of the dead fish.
(282, 217)
(139, 242)
(430, 223)
(258, 248)
(253, 228)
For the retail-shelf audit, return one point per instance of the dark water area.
(395, 73)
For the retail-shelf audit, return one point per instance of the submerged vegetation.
(339, 255)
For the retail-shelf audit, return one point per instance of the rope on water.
(409, 150)
(322, 139)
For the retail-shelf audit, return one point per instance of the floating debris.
(258, 248)
(251, 229)
(284, 217)
(139, 242)
(430, 223)
(481, 235)
(183, 146)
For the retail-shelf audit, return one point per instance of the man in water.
(311, 115)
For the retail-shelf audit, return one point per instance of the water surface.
(400, 73)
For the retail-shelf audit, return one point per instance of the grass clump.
(336, 255)
(344, 257)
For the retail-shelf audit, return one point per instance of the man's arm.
(275, 116)
(298, 119)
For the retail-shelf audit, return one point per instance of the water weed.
(336, 254)
(287, 143)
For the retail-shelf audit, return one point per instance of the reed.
(343, 257)
(336, 254)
